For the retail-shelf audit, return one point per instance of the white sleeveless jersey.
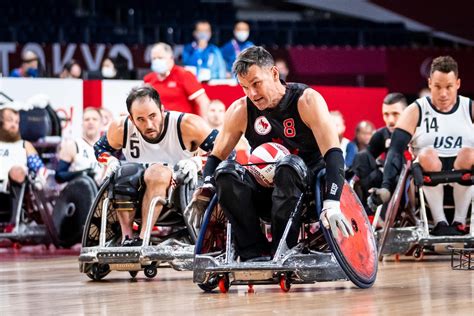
(446, 132)
(85, 159)
(169, 148)
(11, 154)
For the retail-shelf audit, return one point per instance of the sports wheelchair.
(407, 222)
(102, 251)
(317, 257)
(45, 214)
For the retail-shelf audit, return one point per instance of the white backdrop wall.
(65, 96)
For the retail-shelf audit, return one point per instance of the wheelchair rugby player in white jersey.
(440, 131)
(160, 150)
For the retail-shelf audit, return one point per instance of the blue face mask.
(32, 72)
(203, 36)
(159, 66)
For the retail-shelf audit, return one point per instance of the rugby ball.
(262, 162)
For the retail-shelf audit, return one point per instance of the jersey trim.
(178, 127)
(419, 114)
(125, 133)
(454, 109)
(196, 94)
(470, 110)
(163, 133)
(77, 147)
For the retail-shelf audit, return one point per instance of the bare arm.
(115, 133)
(315, 114)
(67, 150)
(409, 119)
(194, 130)
(30, 150)
(202, 101)
(235, 123)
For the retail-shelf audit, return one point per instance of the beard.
(8, 136)
(153, 139)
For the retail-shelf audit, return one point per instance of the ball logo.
(262, 125)
(264, 157)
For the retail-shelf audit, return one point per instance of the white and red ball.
(260, 157)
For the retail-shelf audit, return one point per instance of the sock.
(462, 199)
(434, 198)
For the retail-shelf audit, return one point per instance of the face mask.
(159, 66)
(241, 36)
(203, 36)
(108, 72)
(32, 72)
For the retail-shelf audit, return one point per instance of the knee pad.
(231, 167)
(294, 162)
(128, 180)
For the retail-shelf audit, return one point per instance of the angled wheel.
(71, 210)
(212, 237)
(92, 225)
(357, 255)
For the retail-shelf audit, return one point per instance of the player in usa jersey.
(161, 139)
(440, 131)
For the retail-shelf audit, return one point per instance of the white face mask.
(159, 66)
(241, 36)
(108, 72)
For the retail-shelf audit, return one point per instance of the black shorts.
(448, 163)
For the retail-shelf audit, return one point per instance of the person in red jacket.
(178, 88)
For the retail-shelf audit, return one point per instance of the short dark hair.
(395, 97)
(445, 64)
(143, 92)
(255, 55)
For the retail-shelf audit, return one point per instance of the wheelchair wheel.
(98, 271)
(212, 237)
(92, 225)
(212, 241)
(71, 210)
(357, 255)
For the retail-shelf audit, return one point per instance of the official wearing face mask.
(232, 48)
(178, 88)
(203, 58)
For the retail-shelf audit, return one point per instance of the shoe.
(443, 229)
(460, 227)
(135, 242)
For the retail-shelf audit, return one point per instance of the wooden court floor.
(50, 284)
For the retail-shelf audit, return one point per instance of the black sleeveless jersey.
(283, 125)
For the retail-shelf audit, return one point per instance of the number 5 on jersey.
(134, 149)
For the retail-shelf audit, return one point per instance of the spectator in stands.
(107, 118)
(202, 58)
(338, 120)
(178, 88)
(232, 48)
(282, 66)
(30, 67)
(363, 132)
(71, 70)
(108, 69)
(425, 92)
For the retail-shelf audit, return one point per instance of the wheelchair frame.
(414, 240)
(301, 264)
(108, 255)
